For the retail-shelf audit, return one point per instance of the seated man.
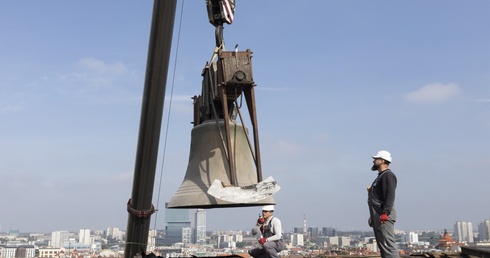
(270, 242)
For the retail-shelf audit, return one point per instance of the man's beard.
(374, 167)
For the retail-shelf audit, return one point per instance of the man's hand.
(260, 221)
(262, 240)
(383, 218)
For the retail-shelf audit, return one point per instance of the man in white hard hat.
(381, 201)
(270, 229)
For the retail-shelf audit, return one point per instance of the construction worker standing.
(381, 200)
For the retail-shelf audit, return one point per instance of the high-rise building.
(313, 232)
(328, 231)
(150, 247)
(84, 236)
(114, 233)
(186, 235)
(297, 239)
(298, 230)
(176, 220)
(58, 238)
(484, 230)
(229, 239)
(463, 231)
(344, 241)
(333, 241)
(200, 227)
(413, 237)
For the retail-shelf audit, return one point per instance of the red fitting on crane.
(140, 213)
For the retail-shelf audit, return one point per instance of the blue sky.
(336, 82)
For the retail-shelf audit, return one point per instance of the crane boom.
(140, 205)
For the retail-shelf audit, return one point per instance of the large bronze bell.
(207, 162)
(224, 167)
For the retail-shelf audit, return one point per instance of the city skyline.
(463, 233)
(460, 225)
(186, 233)
(81, 235)
(315, 243)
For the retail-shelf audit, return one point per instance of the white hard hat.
(268, 208)
(382, 154)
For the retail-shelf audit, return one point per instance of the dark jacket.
(381, 196)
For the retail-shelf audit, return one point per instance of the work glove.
(260, 221)
(262, 240)
(383, 218)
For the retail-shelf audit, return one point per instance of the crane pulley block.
(235, 71)
(220, 11)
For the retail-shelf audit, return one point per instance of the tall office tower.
(484, 230)
(200, 227)
(297, 239)
(238, 238)
(84, 236)
(328, 231)
(298, 230)
(176, 220)
(413, 237)
(58, 238)
(186, 235)
(463, 231)
(113, 233)
(313, 232)
(152, 234)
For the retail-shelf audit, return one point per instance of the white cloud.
(9, 109)
(434, 93)
(98, 66)
(128, 176)
(481, 100)
(96, 81)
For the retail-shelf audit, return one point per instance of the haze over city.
(336, 82)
